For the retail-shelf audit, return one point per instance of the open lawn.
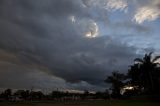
(85, 103)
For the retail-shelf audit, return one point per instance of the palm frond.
(156, 58)
(150, 54)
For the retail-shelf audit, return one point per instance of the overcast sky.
(73, 44)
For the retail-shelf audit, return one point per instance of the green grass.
(86, 103)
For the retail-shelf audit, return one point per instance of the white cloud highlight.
(72, 18)
(148, 11)
(107, 4)
(146, 14)
(93, 30)
(116, 5)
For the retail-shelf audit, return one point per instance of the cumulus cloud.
(107, 4)
(116, 4)
(148, 12)
(144, 10)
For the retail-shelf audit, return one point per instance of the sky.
(73, 44)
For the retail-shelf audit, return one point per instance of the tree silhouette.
(143, 72)
(7, 94)
(23, 94)
(116, 79)
(135, 74)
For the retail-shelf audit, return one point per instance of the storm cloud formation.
(60, 43)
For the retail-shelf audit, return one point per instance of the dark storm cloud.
(91, 61)
(39, 35)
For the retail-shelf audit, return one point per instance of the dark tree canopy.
(145, 72)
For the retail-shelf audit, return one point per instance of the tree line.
(29, 95)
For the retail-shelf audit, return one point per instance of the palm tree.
(147, 67)
(116, 79)
(135, 74)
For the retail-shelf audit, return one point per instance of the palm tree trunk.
(151, 81)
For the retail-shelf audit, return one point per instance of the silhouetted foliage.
(116, 79)
(7, 94)
(146, 74)
(36, 95)
(23, 94)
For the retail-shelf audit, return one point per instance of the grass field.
(85, 103)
